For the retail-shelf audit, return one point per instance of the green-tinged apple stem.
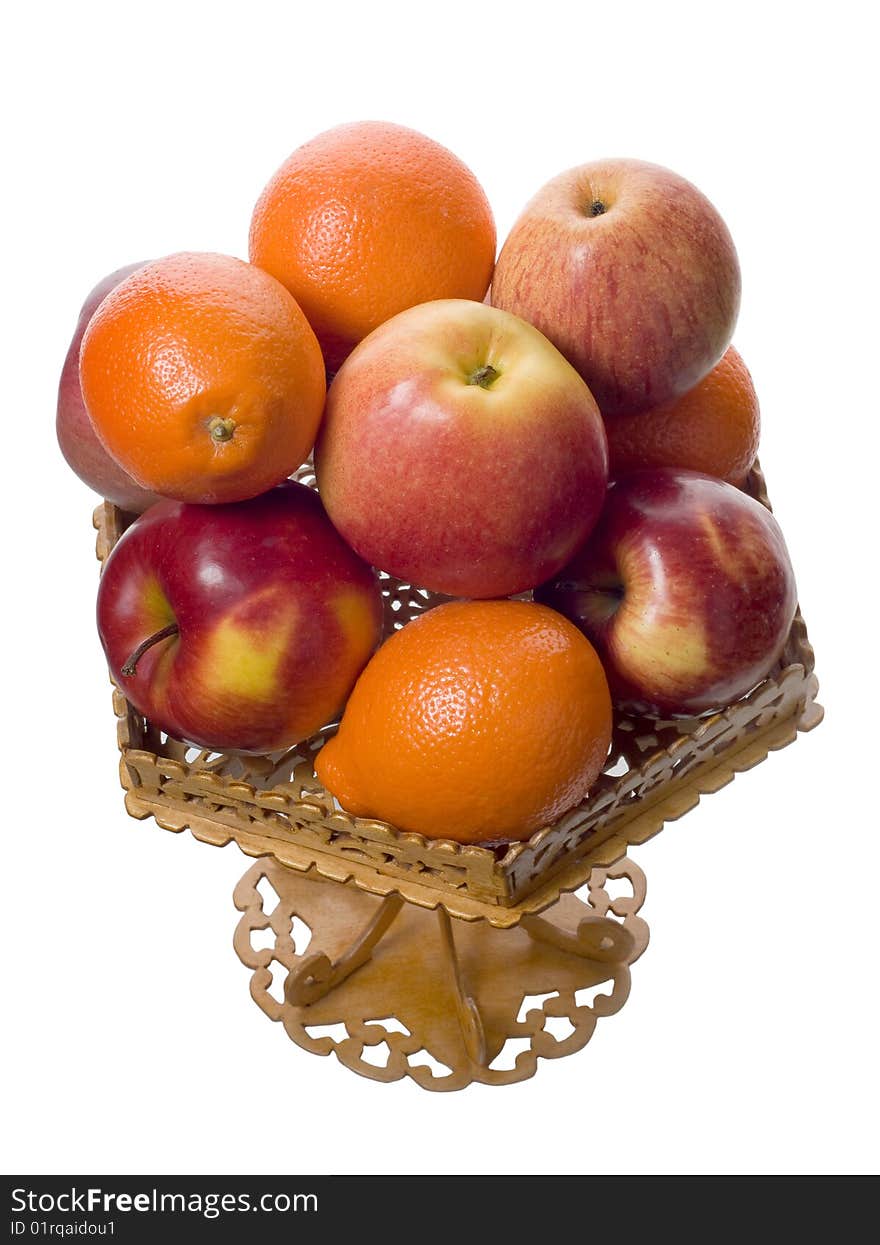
(483, 376)
(131, 665)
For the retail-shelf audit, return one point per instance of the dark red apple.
(631, 273)
(240, 626)
(685, 588)
(77, 438)
(460, 451)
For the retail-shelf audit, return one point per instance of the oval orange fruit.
(203, 378)
(480, 720)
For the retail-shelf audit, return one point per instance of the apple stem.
(131, 665)
(483, 376)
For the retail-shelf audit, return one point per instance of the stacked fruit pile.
(579, 438)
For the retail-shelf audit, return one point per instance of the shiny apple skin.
(469, 491)
(686, 590)
(77, 438)
(276, 615)
(642, 298)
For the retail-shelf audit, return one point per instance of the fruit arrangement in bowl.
(531, 576)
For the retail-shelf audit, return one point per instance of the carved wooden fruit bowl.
(274, 805)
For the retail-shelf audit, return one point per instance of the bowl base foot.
(394, 989)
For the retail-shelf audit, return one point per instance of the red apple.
(240, 626)
(631, 272)
(460, 451)
(685, 588)
(77, 438)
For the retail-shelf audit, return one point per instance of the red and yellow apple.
(76, 435)
(240, 626)
(631, 272)
(459, 451)
(685, 588)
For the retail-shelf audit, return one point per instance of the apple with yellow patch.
(238, 627)
(685, 588)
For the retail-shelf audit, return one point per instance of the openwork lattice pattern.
(394, 990)
(274, 805)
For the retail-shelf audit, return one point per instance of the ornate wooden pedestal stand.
(399, 990)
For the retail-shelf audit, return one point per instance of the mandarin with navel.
(203, 378)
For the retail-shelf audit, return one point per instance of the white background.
(749, 1042)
